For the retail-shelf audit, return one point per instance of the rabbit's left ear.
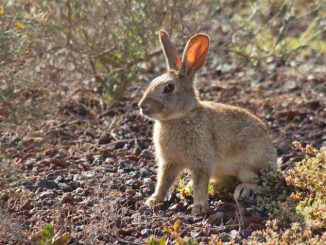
(194, 54)
(170, 52)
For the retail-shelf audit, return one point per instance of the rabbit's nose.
(143, 106)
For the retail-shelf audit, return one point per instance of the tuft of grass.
(49, 237)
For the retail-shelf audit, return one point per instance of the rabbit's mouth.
(145, 112)
(150, 114)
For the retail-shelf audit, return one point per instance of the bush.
(106, 40)
(296, 210)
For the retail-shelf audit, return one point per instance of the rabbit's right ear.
(170, 52)
(195, 54)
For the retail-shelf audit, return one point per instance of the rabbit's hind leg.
(247, 188)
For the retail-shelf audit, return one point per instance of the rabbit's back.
(229, 138)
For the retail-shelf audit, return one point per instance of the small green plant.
(174, 234)
(156, 241)
(47, 234)
(185, 190)
(49, 237)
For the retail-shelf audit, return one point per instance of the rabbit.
(215, 142)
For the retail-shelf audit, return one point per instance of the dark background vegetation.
(71, 73)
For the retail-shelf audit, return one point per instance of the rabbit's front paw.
(153, 201)
(199, 209)
(245, 192)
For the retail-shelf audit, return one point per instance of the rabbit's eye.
(168, 88)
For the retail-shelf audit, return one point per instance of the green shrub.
(296, 207)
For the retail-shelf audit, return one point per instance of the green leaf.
(176, 225)
(162, 241)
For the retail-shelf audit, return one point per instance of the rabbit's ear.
(194, 54)
(170, 52)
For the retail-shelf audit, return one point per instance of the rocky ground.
(87, 168)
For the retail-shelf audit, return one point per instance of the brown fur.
(216, 142)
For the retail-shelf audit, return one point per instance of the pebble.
(224, 236)
(144, 173)
(47, 184)
(245, 233)
(64, 187)
(77, 177)
(147, 155)
(97, 161)
(79, 228)
(125, 165)
(111, 169)
(46, 194)
(30, 162)
(157, 224)
(67, 198)
(130, 192)
(104, 139)
(145, 232)
(89, 174)
(176, 207)
(127, 231)
(59, 179)
(215, 218)
(135, 174)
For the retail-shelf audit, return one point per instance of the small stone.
(144, 173)
(147, 155)
(130, 192)
(234, 234)
(246, 233)
(59, 162)
(67, 198)
(104, 139)
(77, 177)
(64, 187)
(135, 174)
(215, 218)
(126, 165)
(47, 202)
(145, 232)
(89, 156)
(290, 85)
(111, 169)
(46, 194)
(157, 224)
(97, 161)
(47, 184)
(137, 183)
(196, 234)
(59, 179)
(127, 231)
(30, 162)
(176, 207)
(89, 174)
(224, 236)
(136, 151)
(79, 228)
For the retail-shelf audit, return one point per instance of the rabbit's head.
(172, 95)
